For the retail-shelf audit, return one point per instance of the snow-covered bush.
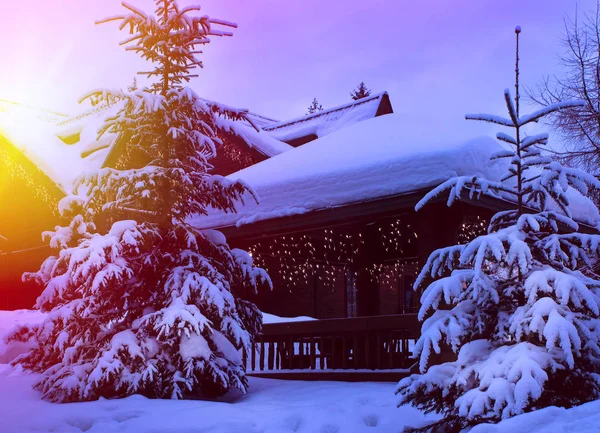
(519, 306)
(139, 300)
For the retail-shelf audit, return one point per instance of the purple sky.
(437, 58)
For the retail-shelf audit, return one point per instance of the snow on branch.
(506, 138)
(533, 140)
(512, 111)
(490, 118)
(536, 115)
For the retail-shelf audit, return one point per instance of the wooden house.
(335, 227)
(42, 153)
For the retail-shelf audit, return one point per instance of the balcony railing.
(359, 345)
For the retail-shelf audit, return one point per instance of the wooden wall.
(382, 269)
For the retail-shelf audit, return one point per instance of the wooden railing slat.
(345, 352)
(262, 355)
(313, 357)
(379, 349)
(375, 343)
(390, 351)
(271, 359)
(367, 351)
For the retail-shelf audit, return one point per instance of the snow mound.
(580, 419)
(9, 320)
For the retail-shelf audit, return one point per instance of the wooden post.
(313, 355)
(262, 354)
(271, 360)
(367, 287)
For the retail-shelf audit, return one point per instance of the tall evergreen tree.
(360, 92)
(519, 305)
(147, 305)
(314, 107)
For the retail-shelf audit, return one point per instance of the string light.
(472, 227)
(331, 256)
(16, 171)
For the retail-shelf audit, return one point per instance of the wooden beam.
(365, 211)
(394, 322)
(335, 375)
(360, 212)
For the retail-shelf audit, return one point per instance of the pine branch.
(490, 118)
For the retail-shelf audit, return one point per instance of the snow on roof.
(66, 147)
(262, 141)
(261, 121)
(370, 160)
(8, 107)
(51, 146)
(247, 130)
(327, 121)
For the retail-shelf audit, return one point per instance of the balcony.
(376, 348)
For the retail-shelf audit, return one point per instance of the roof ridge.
(264, 117)
(324, 112)
(31, 107)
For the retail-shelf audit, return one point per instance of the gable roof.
(65, 147)
(371, 160)
(7, 106)
(303, 129)
(261, 121)
(48, 143)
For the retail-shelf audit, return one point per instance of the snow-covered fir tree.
(519, 306)
(360, 92)
(139, 300)
(314, 107)
(134, 86)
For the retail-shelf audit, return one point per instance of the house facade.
(41, 156)
(42, 153)
(335, 225)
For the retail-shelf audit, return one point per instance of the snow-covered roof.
(369, 160)
(260, 140)
(327, 121)
(65, 147)
(7, 107)
(48, 144)
(261, 121)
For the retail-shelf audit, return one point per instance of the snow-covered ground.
(580, 419)
(271, 406)
(275, 406)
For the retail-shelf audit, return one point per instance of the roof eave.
(356, 212)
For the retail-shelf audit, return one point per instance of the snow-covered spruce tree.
(518, 306)
(147, 305)
(361, 91)
(314, 107)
